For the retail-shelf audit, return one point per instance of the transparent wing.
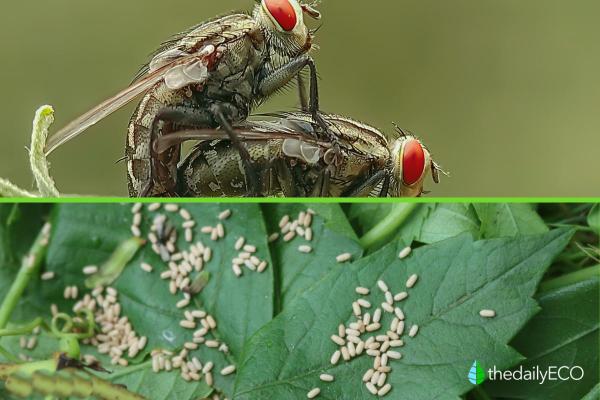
(183, 74)
(163, 143)
(302, 150)
(180, 61)
(178, 70)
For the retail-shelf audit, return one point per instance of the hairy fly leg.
(363, 188)
(285, 178)
(278, 78)
(164, 164)
(220, 112)
(163, 171)
(323, 184)
(385, 188)
(302, 95)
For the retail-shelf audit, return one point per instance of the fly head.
(284, 26)
(411, 163)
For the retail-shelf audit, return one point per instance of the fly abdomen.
(215, 169)
(138, 148)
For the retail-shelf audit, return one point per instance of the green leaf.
(364, 216)
(114, 266)
(45, 347)
(594, 394)
(457, 278)
(429, 223)
(507, 220)
(447, 220)
(167, 385)
(88, 235)
(564, 333)
(594, 217)
(19, 226)
(332, 235)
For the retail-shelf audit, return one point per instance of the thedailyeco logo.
(477, 374)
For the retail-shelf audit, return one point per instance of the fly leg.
(253, 180)
(322, 185)
(302, 95)
(280, 77)
(163, 170)
(164, 165)
(385, 188)
(360, 189)
(285, 178)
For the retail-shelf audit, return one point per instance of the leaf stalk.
(570, 279)
(389, 225)
(29, 267)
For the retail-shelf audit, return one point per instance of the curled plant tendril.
(71, 332)
(69, 323)
(44, 117)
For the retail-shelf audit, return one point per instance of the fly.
(211, 76)
(291, 161)
(165, 232)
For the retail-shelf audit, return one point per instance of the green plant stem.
(570, 279)
(130, 370)
(29, 267)
(580, 228)
(23, 329)
(35, 366)
(390, 224)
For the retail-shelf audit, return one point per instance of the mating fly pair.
(291, 161)
(211, 77)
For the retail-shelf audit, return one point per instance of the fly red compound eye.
(283, 12)
(413, 162)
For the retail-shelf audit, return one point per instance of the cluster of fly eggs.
(247, 258)
(116, 336)
(382, 347)
(181, 264)
(299, 227)
(29, 343)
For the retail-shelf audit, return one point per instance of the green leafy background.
(277, 324)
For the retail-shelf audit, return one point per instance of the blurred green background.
(506, 93)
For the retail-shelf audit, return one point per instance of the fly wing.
(295, 144)
(216, 32)
(186, 65)
(165, 142)
(101, 111)
(178, 63)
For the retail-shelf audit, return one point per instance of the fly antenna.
(399, 130)
(311, 9)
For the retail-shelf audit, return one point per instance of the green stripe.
(308, 200)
